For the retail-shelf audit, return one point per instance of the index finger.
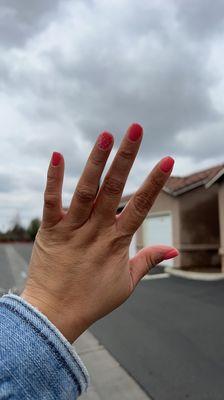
(141, 202)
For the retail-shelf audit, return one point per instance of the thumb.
(148, 258)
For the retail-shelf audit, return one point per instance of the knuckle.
(85, 194)
(51, 180)
(156, 259)
(51, 199)
(153, 260)
(124, 153)
(115, 244)
(156, 183)
(150, 262)
(143, 202)
(96, 161)
(120, 243)
(112, 186)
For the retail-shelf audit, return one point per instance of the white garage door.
(157, 229)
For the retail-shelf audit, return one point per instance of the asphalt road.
(170, 337)
(14, 260)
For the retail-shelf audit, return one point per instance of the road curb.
(197, 276)
(108, 380)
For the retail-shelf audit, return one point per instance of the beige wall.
(199, 234)
(165, 203)
(195, 223)
(221, 221)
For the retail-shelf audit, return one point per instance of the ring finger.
(141, 202)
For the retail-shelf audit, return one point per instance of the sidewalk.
(108, 379)
(197, 276)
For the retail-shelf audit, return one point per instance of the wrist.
(60, 316)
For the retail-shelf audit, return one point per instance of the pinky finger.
(148, 258)
(52, 211)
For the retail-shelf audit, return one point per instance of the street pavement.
(14, 260)
(170, 337)
(108, 380)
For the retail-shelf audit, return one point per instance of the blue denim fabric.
(36, 361)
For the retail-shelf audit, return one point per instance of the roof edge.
(173, 193)
(188, 188)
(215, 178)
(185, 189)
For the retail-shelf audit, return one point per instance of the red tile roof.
(175, 184)
(178, 185)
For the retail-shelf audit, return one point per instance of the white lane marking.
(156, 276)
(17, 264)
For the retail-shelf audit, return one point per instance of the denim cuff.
(35, 356)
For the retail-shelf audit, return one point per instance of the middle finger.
(110, 193)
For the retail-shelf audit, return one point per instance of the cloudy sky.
(70, 69)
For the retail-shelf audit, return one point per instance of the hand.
(80, 268)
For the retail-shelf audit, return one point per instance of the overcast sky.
(70, 69)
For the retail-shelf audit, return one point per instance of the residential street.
(170, 337)
(14, 259)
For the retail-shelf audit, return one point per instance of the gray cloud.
(82, 67)
(7, 182)
(162, 83)
(199, 142)
(19, 20)
(201, 19)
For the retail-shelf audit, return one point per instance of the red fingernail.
(167, 164)
(135, 132)
(171, 254)
(105, 140)
(56, 158)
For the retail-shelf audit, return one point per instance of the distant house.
(218, 180)
(188, 214)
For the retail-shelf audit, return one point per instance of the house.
(218, 179)
(188, 214)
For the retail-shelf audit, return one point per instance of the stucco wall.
(221, 222)
(165, 203)
(195, 225)
(199, 234)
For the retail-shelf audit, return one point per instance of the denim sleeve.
(36, 361)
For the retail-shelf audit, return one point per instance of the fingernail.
(135, 132)
(167, 164)
(105, 140)
(56, 158)
(171, 254)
